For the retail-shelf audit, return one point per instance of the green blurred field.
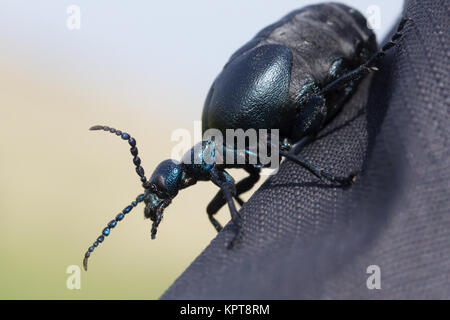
(61, 184)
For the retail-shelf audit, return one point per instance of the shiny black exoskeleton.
(293, 76)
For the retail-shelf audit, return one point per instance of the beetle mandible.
(294, 76)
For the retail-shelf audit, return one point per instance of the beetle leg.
(242, 186)
(239, 199)
(156, 224)
(226, 183)
(369, 65)
(248, 182)
(318, 172)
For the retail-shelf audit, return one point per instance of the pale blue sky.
(172, 50)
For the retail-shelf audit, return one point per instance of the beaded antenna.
(139, 170)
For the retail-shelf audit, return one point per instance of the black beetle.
(293, 76)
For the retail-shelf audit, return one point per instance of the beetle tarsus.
(237, 239)
(343, 181)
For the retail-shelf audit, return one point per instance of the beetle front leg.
(242, 186)
(225, 182)
(156, 224)
(158, 219)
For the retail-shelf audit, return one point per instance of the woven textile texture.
(305, 239)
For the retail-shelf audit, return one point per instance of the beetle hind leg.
(370, 65)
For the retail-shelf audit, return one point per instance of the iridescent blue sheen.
(134, 151)
(137, 161)
(100, 239)
(106, 231)
(140, 198)
(112, 223)
(132, 142)
(91, 249)
(125, 136)
(119, 217)
(127, 209)
(167, 176)
(95, 244)
(134, 203)
(140, 171)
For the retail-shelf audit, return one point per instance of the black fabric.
(307, 239)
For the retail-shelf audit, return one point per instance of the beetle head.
(162, 187)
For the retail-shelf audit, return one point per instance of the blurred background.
(144, 67)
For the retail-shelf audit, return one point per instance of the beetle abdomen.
(317, 36)
(309, 42)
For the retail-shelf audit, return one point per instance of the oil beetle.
(294, 76)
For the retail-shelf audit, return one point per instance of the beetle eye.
(153, 188)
